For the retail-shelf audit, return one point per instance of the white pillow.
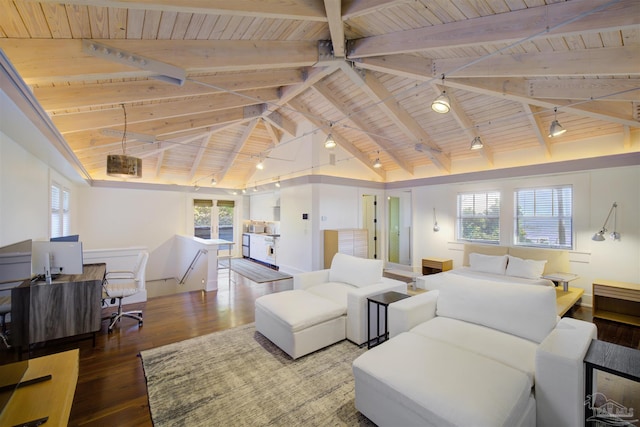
(495, 264)
(355, 271)
(527, 268)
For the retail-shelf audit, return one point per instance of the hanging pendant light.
(377, 164)
(476, 144)
(442, 104)
(556, 128)
(330, 142)
(121, 165)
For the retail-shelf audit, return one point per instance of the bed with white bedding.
(517, 265)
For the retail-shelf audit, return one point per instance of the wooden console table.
(69, 306)
(618, 301)
(435, 265)
(51, 398)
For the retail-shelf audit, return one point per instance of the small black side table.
(612, 358)
(381, 300)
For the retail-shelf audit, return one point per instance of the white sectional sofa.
(324, 307)
(469, 355)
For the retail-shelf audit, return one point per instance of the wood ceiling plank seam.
(135, 24)
(117, 23)
(56, 16)
(99, 22)
(34, 19)
(181, 26)
(78, 16)
(166, 25)
(151, 24)
(12, 23)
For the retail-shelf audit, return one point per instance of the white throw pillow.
(527, 268)
(355, 271)
(495, 264)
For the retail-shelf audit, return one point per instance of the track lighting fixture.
(377, 164)
(277, 184)
(260, 165)
(556, 128)
(213, 181)
(442, 104)
(330, 142)
(476, 144)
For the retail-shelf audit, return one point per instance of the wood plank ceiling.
(364, 70)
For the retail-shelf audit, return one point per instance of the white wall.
(594, 192)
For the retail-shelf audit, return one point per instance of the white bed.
(483, 263)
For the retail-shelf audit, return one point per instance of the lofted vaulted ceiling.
(250, 72)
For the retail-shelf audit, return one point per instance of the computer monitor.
(52, 258)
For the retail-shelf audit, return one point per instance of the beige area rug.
(256, 272)
(239, 378)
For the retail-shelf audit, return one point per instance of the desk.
(69, 306)
(51, 398)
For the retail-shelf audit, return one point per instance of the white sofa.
(324, 307)
(470, 355)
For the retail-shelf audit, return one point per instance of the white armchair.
(324, 307)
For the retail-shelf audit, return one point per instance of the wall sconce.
(436, 227)
(599, 236)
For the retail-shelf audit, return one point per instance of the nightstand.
(435, 265)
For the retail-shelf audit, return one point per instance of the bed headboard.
(557, 260)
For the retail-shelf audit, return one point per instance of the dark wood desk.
(69, 306)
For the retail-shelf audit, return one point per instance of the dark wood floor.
(111, 388)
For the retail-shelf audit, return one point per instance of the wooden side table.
(381, 300)
(435, 265)
(617, 301)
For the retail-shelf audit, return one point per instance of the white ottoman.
(300, 322)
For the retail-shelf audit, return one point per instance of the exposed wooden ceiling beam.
(532, 113)
(97, 119)
(66, 61)
(503, 28)
(238, 148)
(384, 145)
(586, 62)
(63, 97)
(354, 8)
(343, 142)
(306, 10)
(385, 101)
(512, 89)
(336, 27)
(583, 89)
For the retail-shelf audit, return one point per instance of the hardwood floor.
(111, 387)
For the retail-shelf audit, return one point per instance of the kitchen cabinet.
(262, 248)
(350, 241)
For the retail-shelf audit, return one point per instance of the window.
(544, 217)
(60, 217)
(206, 222)
(479, 217)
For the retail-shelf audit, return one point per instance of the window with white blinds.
(478, 218)
(544, 217)
(60, 214)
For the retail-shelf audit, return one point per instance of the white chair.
(120, 284)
